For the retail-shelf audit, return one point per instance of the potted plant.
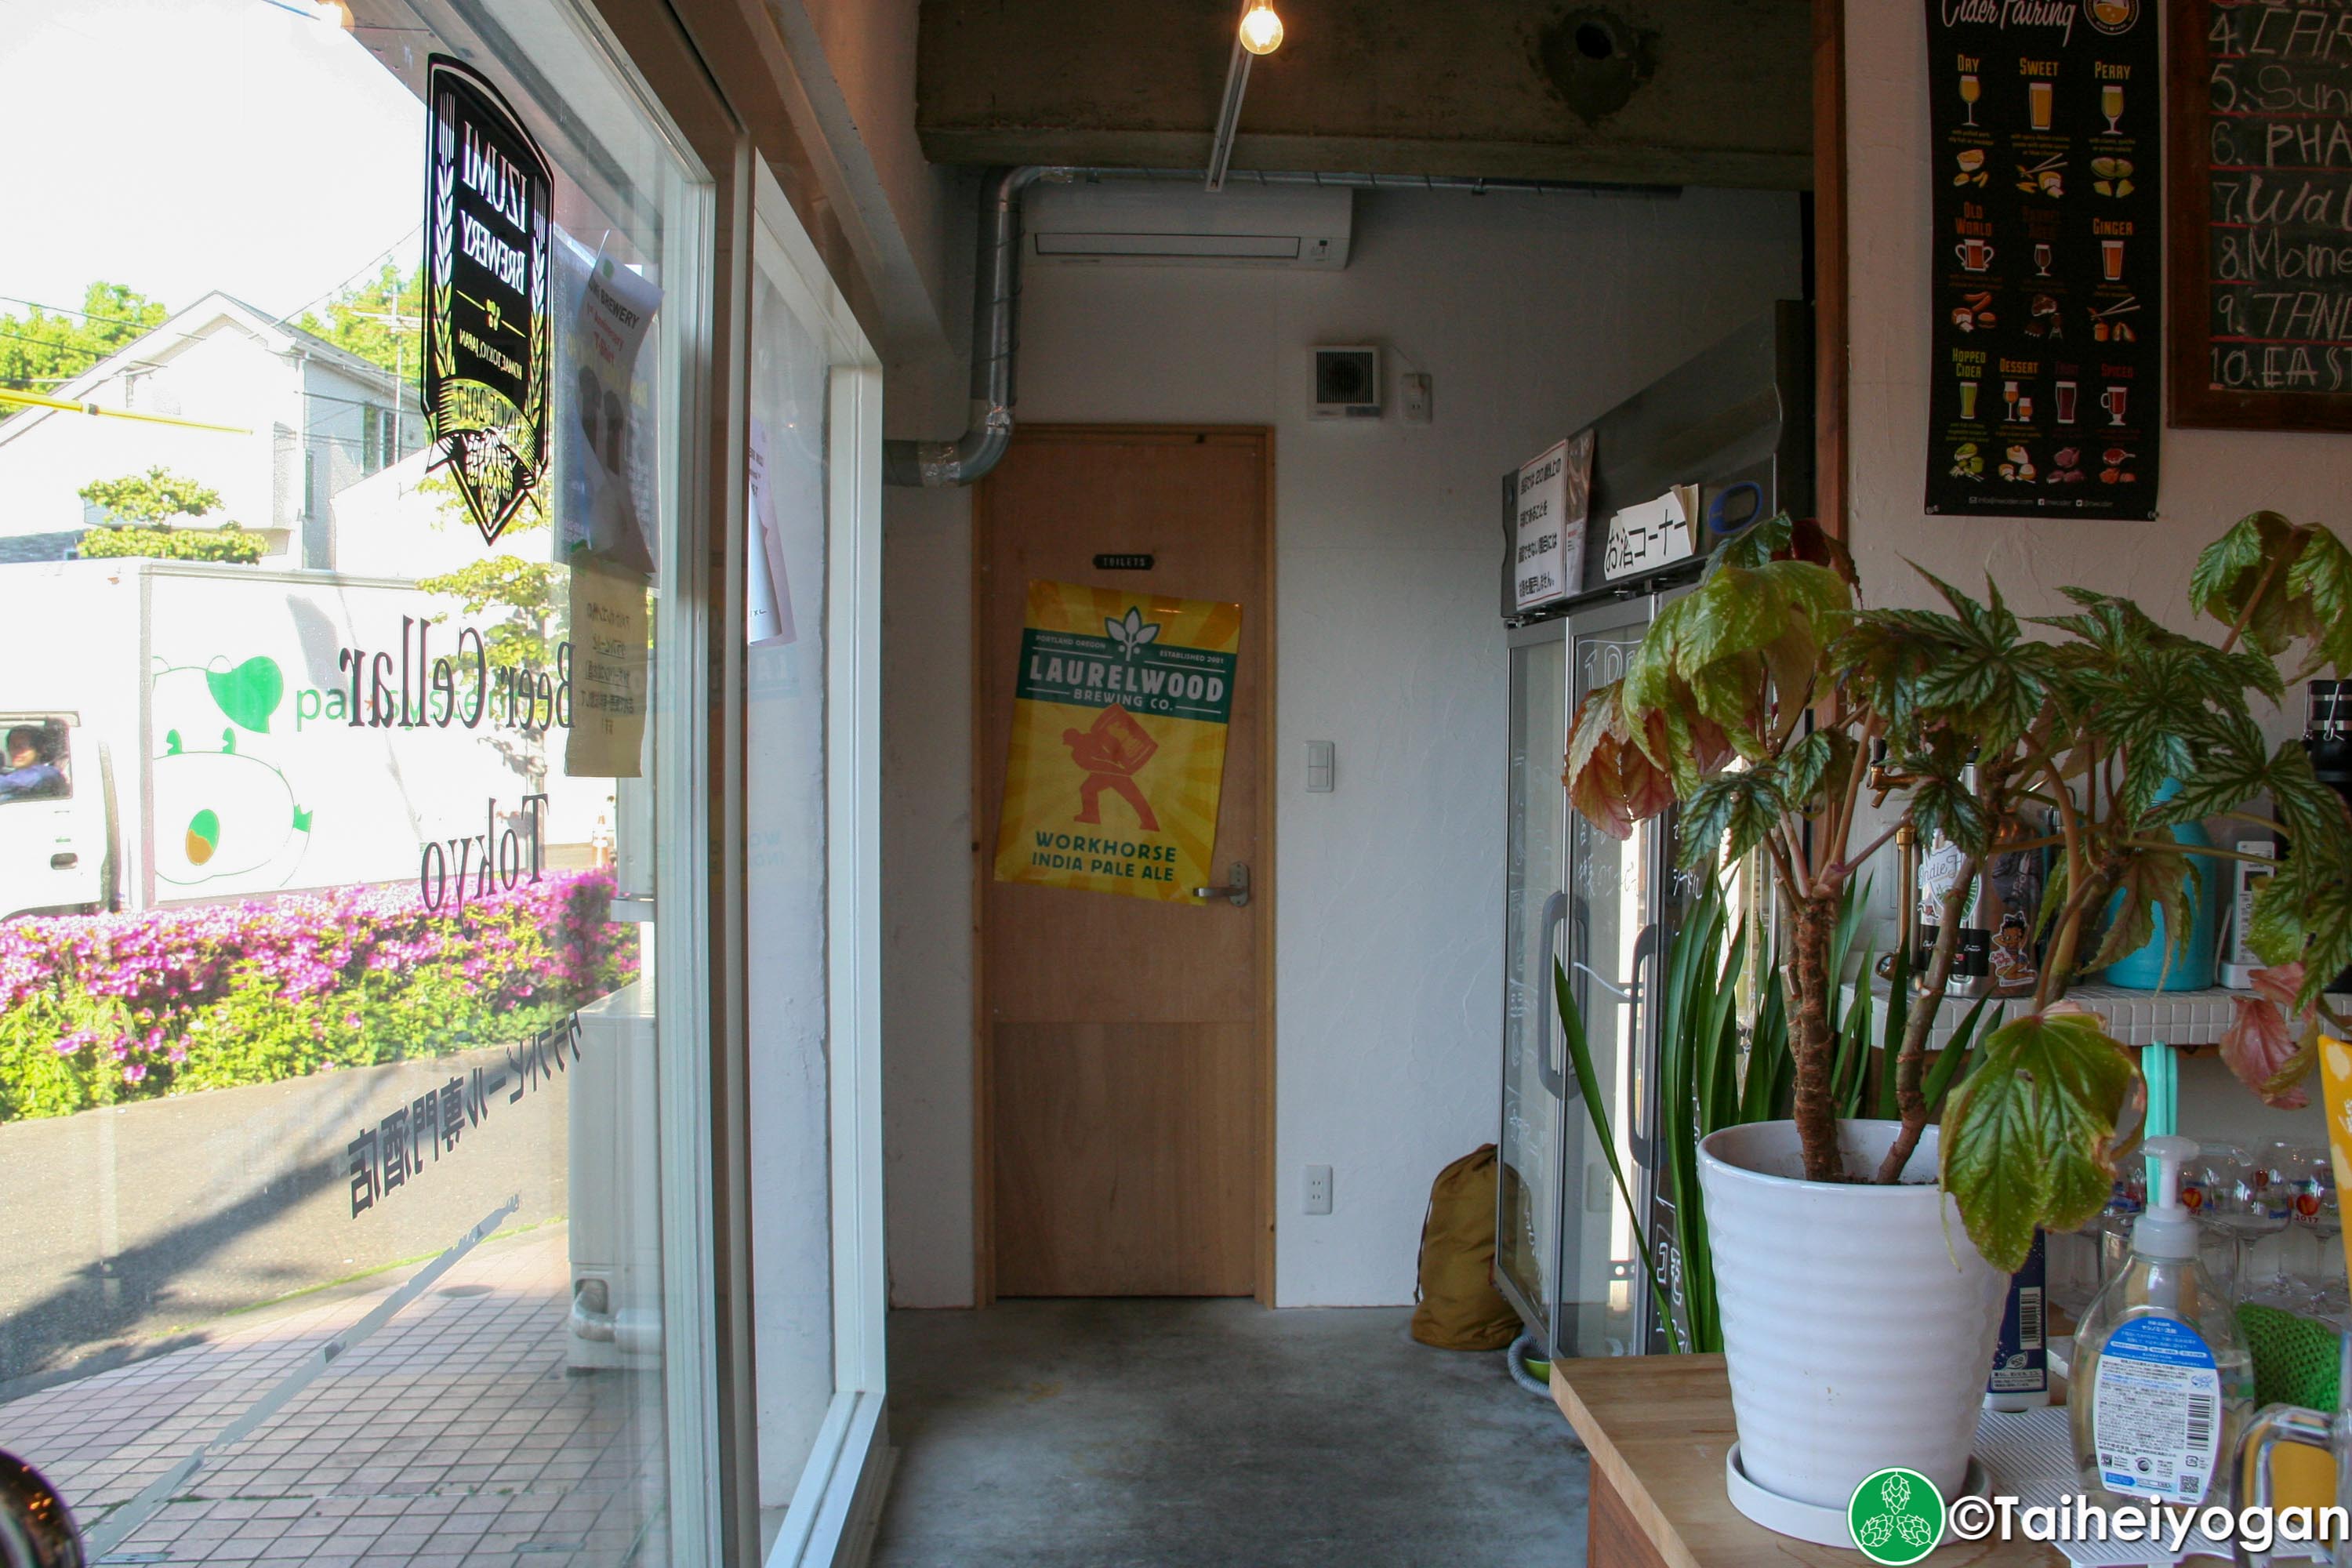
(1754, 703)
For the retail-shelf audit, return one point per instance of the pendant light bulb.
(1261, 28)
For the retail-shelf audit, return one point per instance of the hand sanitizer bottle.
(2162, 1382)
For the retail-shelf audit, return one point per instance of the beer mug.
(1975, 254)
(2277, 1426)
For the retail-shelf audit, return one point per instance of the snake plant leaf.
(1588, 1083)
(2028, 1137)
(2151, 879)
(1950, 1065)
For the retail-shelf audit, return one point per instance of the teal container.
(2191, 969)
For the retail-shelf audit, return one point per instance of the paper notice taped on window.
(610, 661)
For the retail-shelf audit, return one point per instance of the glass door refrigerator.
(1733, 429)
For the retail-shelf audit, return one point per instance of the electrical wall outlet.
(1318, 1190)
(1415, 390)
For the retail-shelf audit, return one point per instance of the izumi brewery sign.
(1119, 741)
(486, 351)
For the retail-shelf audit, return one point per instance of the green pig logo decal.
(221, 810)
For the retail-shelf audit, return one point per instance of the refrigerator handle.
(1547, 997)
(1645, 947)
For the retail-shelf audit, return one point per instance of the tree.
(228, 542)
(142, 508)
(158, 495)
(42, 349)
(381, 320)
(524, 594)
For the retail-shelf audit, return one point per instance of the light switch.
(1320, 767)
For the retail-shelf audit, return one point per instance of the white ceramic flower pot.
(1858, 1320)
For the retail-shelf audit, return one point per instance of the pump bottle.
(2162, 1383)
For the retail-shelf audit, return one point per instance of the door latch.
(1236, 888)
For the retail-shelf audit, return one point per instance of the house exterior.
(278, 420)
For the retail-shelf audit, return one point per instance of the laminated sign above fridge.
(1656, 483)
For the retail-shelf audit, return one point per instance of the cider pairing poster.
(2045, 380)
(1119, 741)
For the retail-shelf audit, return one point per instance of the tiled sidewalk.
(454, 1434)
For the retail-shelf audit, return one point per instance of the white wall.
(2209, 478)
(1534, 315)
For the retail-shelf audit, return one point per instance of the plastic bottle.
(2162, 1383)
(2021, 1367)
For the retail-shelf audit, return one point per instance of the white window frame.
(840, 1485)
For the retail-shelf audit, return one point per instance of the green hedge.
(99, 1009)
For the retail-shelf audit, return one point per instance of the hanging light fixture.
(1261, 28)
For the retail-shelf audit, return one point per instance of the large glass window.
(354, 1104)
(811, 552)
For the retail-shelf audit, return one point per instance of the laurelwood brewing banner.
(2044, 392)
(486, 218)
(1119, 741)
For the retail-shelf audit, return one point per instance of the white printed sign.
(1645, 537)
(1548, 544)
(767, 616)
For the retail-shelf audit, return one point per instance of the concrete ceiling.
(1714, 92)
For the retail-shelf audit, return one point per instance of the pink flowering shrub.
(98, 1009)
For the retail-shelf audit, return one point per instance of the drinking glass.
(1971, 90)
(2111, 104)
(2242, 1201)
(2316, 1212)
(2040, 96)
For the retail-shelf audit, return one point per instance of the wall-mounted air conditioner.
(1135, 223)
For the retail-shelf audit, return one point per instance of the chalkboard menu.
(2262, 215)
(2045, 398)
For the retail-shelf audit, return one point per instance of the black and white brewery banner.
(486, 228)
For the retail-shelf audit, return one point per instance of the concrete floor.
(1123, 1433)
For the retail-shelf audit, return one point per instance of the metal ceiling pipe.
(996, 293)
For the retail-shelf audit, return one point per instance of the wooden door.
(1123, 1070)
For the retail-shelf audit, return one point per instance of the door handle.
(64, 860)
(36, 1527)
(1236, 888)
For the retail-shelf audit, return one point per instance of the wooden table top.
(1658, 1428)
